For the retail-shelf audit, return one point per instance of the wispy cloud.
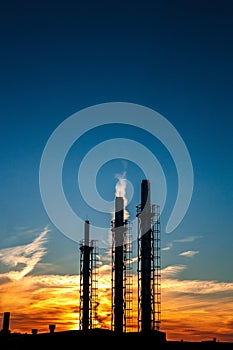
(168, 246)
(189, 253)
(172, 271)
(24, 257)
(197, 287)
(187, 239)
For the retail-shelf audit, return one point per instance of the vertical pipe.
(86, 278)
(52, 328)
(146, 256)
(119, 241)
(6, 322)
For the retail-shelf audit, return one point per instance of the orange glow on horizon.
(188, 313)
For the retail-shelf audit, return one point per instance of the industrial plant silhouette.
(149, 270)
(149, 289)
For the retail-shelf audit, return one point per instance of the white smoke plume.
(120, 191)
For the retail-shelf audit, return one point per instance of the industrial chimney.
(121, 270)
(88, 280)
(6, 323)
(149, 275)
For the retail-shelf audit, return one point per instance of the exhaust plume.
(120, 191)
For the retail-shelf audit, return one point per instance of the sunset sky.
(173, 58)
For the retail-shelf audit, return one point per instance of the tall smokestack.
(149, 266)
(146, 255)
(6, 322)
(88, 281)
(86, 277)
(119, 263)
(146, 275)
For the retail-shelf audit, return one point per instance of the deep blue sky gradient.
(175, 57)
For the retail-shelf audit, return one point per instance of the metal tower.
(88, 281)
(149, 265)
(122, 285)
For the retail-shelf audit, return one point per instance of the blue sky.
(174, 57)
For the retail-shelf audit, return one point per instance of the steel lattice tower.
(149, 265)
(88, 281)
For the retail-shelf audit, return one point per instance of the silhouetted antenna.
(121, 271)
(149, 266)
(88, 281)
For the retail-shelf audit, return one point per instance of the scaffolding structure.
(149, 263)
(89, 257)
(122, 274)
(128, 280)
